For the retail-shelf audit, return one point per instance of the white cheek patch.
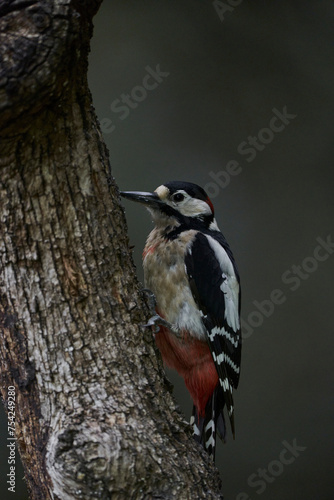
(192, 207)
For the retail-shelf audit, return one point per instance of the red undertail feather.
(192, 359)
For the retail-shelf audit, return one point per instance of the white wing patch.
(230, 286)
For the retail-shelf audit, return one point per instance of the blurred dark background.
(223, 70)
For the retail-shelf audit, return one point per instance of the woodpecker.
(190, 269)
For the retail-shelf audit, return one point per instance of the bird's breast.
(166, 276)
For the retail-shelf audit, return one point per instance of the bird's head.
(175, 202)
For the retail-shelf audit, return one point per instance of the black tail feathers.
(206, 428)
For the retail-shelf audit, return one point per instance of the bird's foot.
(156, 320)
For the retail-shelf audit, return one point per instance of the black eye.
(178, 197)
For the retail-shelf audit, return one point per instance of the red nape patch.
(209, 202)
(192, 359)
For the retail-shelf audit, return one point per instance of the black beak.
(148, 199)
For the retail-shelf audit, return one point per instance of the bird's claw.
(158, 321)
(151, 302)
(153, 321)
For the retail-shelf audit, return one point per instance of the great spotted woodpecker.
(190, 269)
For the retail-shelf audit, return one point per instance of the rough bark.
(94, 416)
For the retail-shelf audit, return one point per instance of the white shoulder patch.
(230, 286)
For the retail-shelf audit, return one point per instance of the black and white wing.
(214, 282)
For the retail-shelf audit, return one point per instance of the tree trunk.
(93, 414)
